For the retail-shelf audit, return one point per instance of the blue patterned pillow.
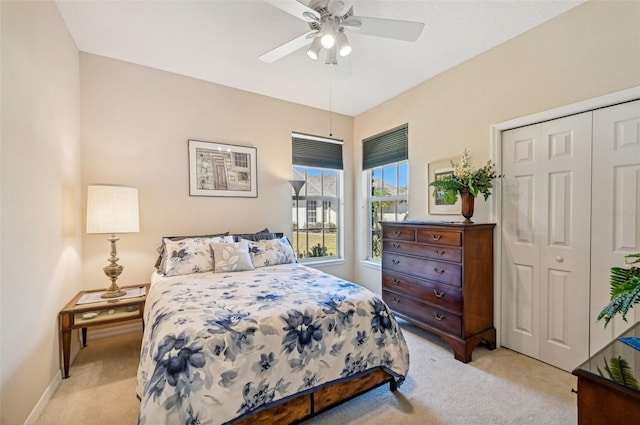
(271, 252)
(231, 257)
(191, 255)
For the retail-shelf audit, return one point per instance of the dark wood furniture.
(439, 276)
(74, 316)
(308, 405)
(601, 398)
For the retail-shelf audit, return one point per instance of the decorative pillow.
(231, 257)
(271, 252)
(257, 236)
(190, 255)
(162, 252)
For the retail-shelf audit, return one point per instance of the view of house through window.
(316, 211)
(316, 220)
(388, 190)
(385, 164)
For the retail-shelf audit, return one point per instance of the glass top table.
(617, 364)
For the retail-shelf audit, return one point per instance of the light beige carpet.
(497, 387)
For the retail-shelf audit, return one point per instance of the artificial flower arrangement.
(464, 176)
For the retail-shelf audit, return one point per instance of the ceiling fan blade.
(288, 47)
(340, 7)
(387, 28)
(296, 9)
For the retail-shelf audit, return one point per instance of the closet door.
(616, 209)
(546, 238)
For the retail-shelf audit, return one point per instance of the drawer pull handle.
(396, 300)
(438, 316)
(438, 294)
(435, 269)
(394, 261)
(396, 233)
(395, 245)
(396, 281)
(439, 252)
(436, 237)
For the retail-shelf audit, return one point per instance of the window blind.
(314, 151)
(385, 148)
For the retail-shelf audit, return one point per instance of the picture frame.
(220, 169)
(436, 170)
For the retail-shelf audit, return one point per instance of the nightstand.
(87, 309)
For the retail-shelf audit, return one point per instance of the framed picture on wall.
(218, 169)
(436, 171)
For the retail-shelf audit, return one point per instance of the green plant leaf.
(620, 372)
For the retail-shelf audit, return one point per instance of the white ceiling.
(220, 41)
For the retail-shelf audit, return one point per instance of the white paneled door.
(546, 204)
(615, 208)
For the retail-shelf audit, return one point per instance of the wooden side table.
(603, 398)
(74, 316)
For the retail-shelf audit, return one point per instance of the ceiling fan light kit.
(344, 48)
(328, 20)
(314, 50)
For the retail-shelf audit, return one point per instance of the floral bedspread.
(219, 346)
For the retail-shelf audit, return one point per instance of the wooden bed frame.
(320, 400)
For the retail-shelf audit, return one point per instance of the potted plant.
(469, 182)
(625, 289)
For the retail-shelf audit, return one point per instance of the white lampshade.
(344, 48)
(328, 34)
(112, 209)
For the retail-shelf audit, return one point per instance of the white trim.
(574, 108)
(46, 397)
(321, 263)
(496, 150)
(375, 265)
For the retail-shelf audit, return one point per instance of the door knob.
(559, 259)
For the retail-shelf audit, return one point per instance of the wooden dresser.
(439, 276)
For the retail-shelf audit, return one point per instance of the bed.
(267, 342)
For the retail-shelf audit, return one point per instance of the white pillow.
(271, 252)
(191, 255)
(231, 257)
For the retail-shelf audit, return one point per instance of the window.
(241, 160)
(386, 170)
(311, 212)
(317, 214)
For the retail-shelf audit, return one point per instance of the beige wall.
(40, 186)
(591, 50)
(135, 125)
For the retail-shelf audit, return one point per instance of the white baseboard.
(92, 334)
(42, 403)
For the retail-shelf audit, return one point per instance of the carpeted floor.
(497, 387)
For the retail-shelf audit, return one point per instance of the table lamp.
(112, 209)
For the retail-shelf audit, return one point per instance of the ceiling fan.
(328, 21)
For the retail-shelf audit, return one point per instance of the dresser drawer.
(441, 319)
(431, 251)
(441, 296)
(399, 233)
(439, 237)
(441, 272)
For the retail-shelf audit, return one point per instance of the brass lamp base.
(113, 294)
(113, 270)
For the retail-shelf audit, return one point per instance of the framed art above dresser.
(439, 276)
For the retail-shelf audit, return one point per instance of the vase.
(467, 204)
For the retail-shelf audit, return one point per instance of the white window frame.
(368, 176)
(320, 200)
